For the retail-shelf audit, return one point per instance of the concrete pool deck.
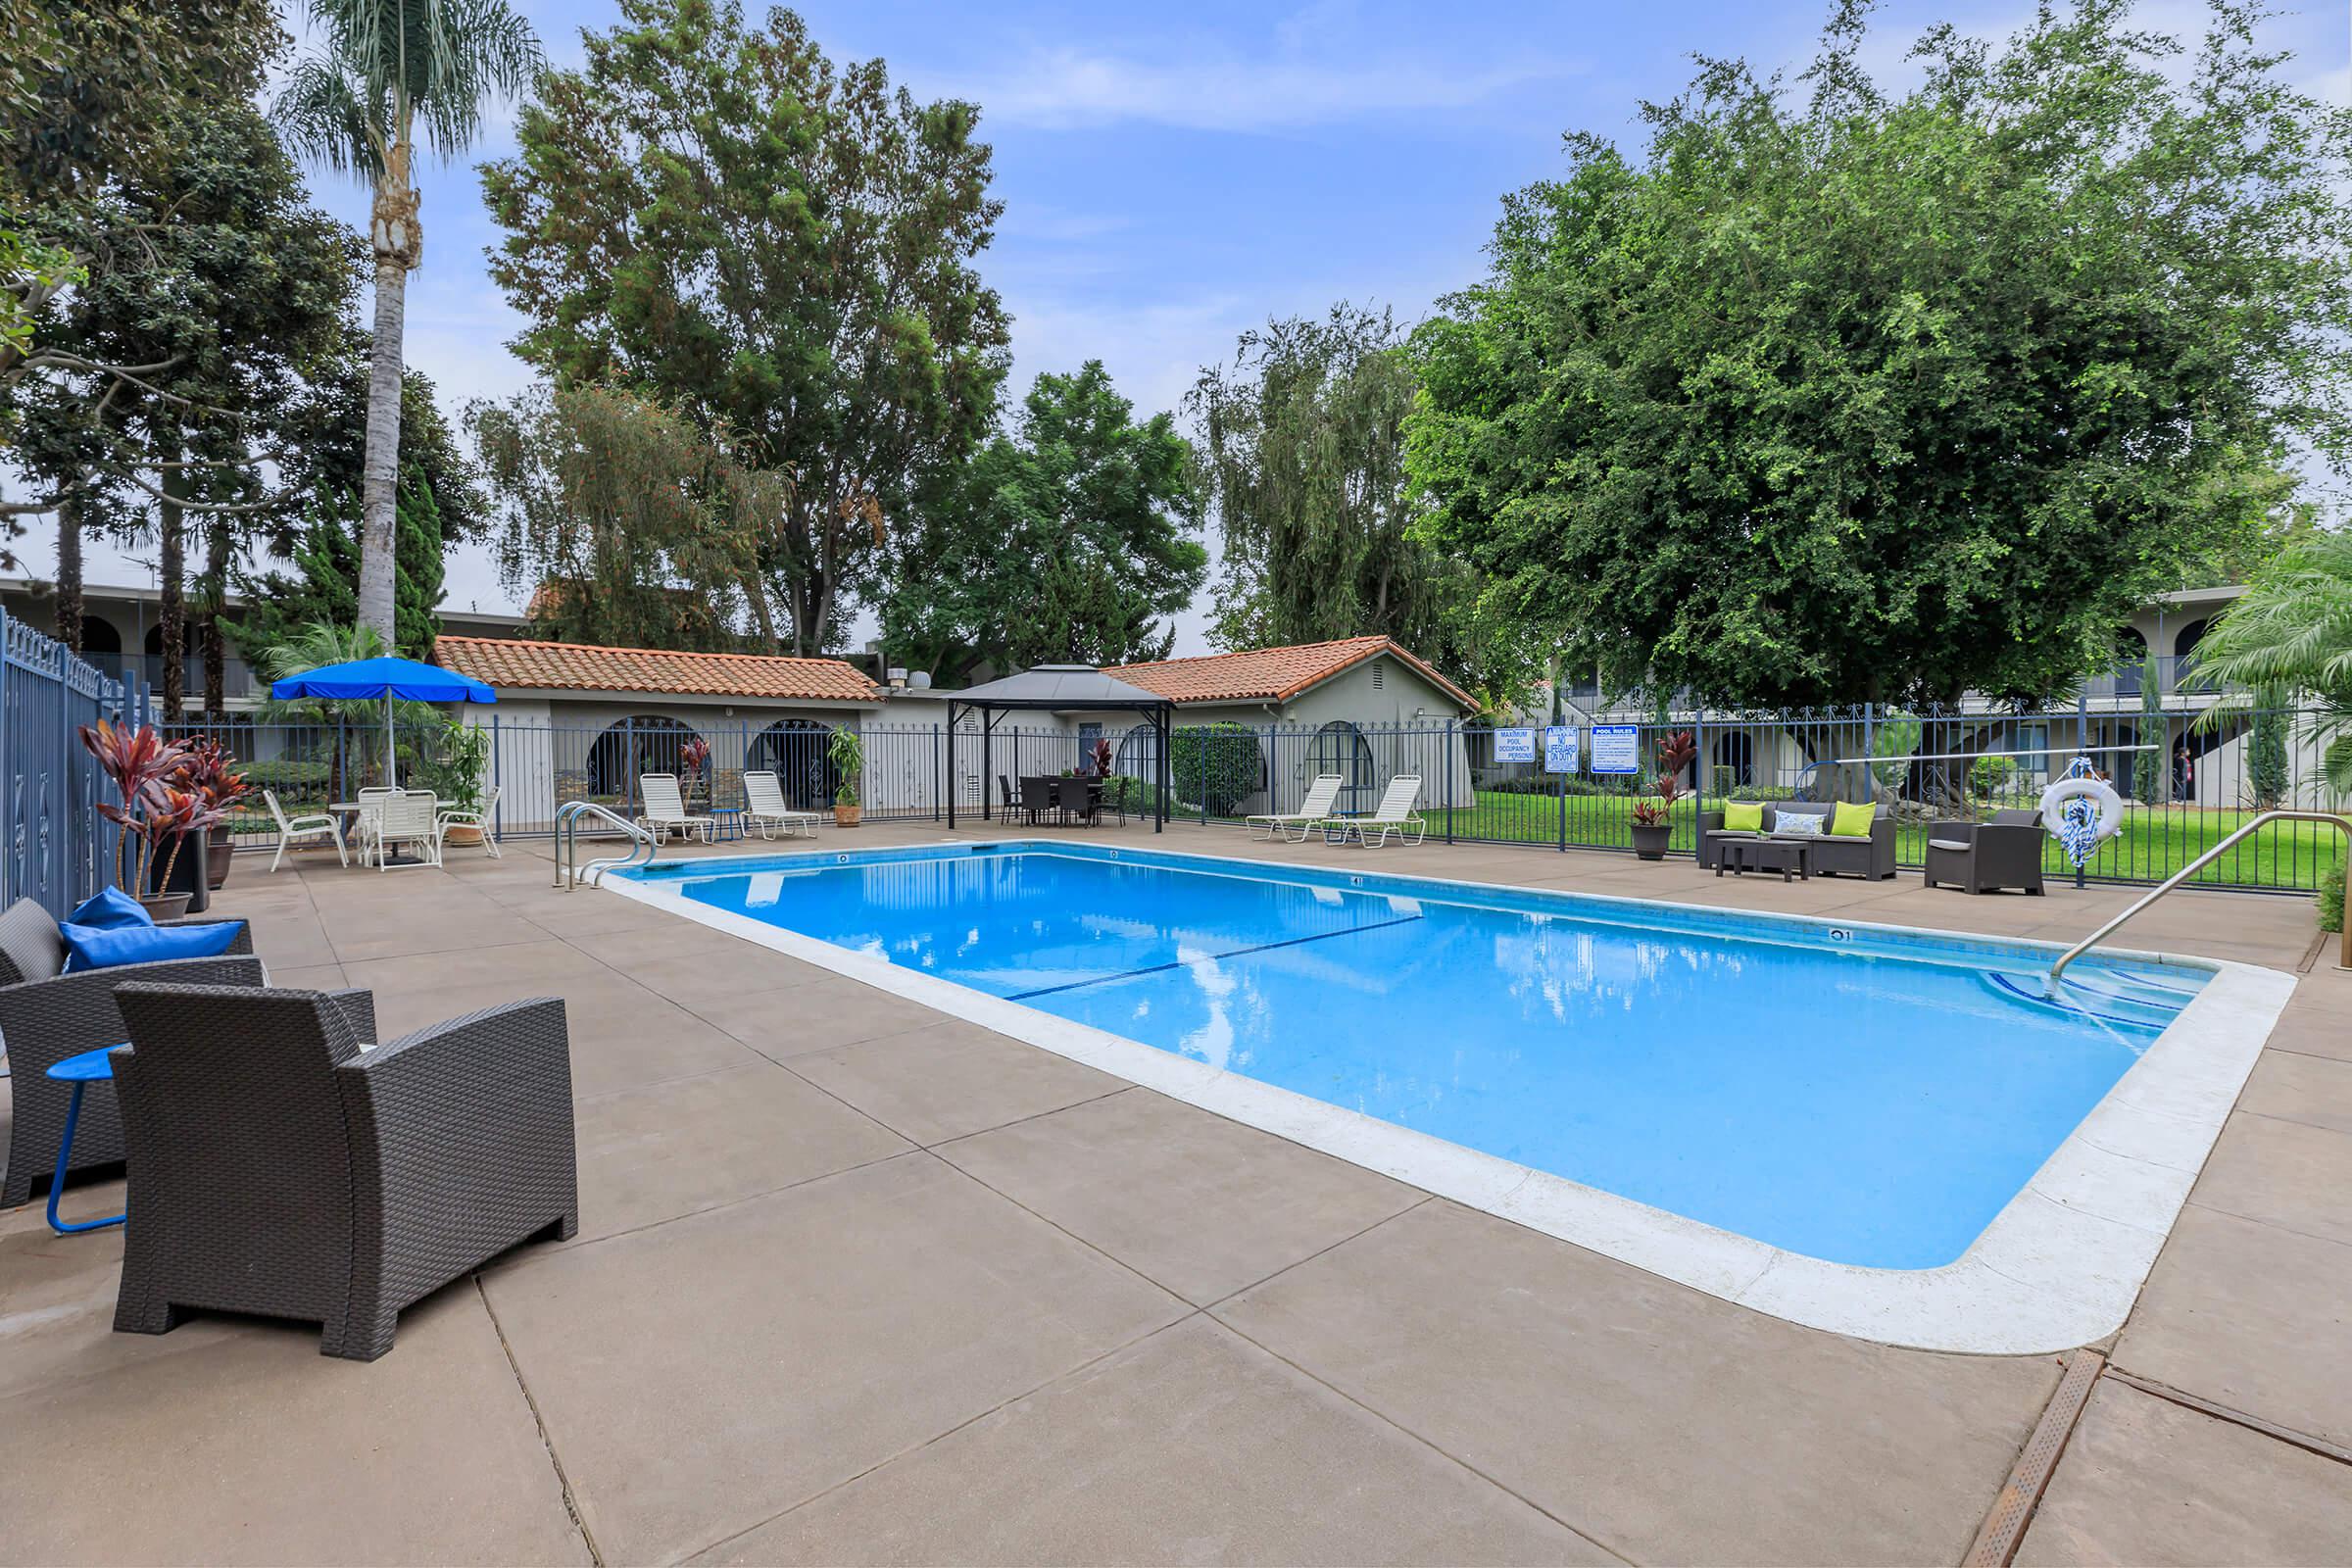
(857, 1283)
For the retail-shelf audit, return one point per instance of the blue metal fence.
(54, 847)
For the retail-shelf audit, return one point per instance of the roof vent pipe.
(920, 681)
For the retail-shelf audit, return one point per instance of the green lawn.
(2155, 842)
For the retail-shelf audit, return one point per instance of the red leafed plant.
(174, 813)
(1676, 748)
(135, 761)
(207, 769)
(1103, 756)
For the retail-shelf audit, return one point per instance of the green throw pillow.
(1743, 817)
(1852, 821)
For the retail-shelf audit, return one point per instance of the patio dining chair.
(480, 820)
(293, 830)
(409, 817)
(282, 1163)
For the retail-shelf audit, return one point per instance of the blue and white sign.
(1559, 749)
(1616, 748)
(1514, 745)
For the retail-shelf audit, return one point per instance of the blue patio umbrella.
(366, 680)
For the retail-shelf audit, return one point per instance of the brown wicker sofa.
(47, 1015)
(1871, 857)
(279, 1167)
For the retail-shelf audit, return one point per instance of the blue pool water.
(1864, 1097)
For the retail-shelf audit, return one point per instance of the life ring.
(2054, 798)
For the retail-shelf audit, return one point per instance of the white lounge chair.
(764, 807)
(479, 821)
(1311, 811)
(1395, 814)
(293, 830)
(666, 808)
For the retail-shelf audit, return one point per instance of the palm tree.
(387, 71)
(311, 646)
(2292, 631)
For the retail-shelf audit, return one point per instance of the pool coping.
(2059, 1266)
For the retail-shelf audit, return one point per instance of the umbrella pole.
(391, 758)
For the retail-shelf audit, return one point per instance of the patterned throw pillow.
(1798, 825)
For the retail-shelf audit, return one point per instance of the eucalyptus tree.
(390, 73)
(780, 249)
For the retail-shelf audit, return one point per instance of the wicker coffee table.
(1788, 857)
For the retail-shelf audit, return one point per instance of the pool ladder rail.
(569, 873)
(2343, 956)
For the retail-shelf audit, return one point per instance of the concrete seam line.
(2004, 1526)
(2240, 1418)
(572, 1503)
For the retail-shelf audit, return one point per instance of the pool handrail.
(2343, 956)
(568, 871)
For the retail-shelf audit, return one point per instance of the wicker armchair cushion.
(102, 948)
(30, 946)
(111, 910)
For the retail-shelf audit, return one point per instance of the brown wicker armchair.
(47, 1015)
(278, 1167)
(1986, 856)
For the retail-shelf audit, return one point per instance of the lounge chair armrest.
(45, 1021)
(358, 1007)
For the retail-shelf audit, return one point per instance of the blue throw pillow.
(98, 948)
(113, 909)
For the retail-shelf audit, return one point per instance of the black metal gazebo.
(1062, 689)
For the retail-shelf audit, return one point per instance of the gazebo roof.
(1058, 686)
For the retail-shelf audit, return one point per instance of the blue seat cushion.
(113, 909)
(101, 948)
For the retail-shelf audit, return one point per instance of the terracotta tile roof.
(578, 666)
(1273, 674)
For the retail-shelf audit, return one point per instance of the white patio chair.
(293, 830)
(666, 808)
(408, 818)
(478, 821)
(1315, 808)
(364, 826)
(764, 807)
(1395, 814)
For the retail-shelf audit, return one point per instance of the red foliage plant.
(135, 761)
(1676, 748)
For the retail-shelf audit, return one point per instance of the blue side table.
(90, 1067)
(726, 823)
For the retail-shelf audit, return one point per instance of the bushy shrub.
(2331, 899)
(1216, 766)
(1986, 775)
(287, 776)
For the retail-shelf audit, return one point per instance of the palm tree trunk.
(398, 244)
(172, 619)
(69, 571)
(215, 590)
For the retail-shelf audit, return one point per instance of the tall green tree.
(1841, 396)
(1070, 539)
(623, 521)
(392, 72)
(234, 292)
(779, 249)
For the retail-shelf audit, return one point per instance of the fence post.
(498, 812)
(1450, 753)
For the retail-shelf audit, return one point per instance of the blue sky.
(1174, 174)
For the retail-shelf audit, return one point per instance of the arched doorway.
(2131, 661)
(1338, 747)
(643, 743)
(2184, 657)
(800, 752)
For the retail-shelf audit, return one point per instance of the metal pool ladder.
(2343, 956)
(569, 873)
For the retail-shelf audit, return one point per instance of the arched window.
(2130, 660)
(1735, 758)
(800, 752)
(2184, 657)
(99, 636)
(643, 743)
(1338, 747)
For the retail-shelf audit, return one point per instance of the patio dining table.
(1064, 795)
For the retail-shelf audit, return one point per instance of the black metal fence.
(54, 847)
(2188, 784)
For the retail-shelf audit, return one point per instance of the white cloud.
(1067, 88)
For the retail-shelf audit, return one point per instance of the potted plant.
(846, 754)
(455, 776)
(693, 757)
(1653, 813)
(172, 815)
(135, 761)
(208, 770)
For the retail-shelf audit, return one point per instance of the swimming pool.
(1757, 1090)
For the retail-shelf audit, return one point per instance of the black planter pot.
(1649, 843)
(217, 846)
(187, 872)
